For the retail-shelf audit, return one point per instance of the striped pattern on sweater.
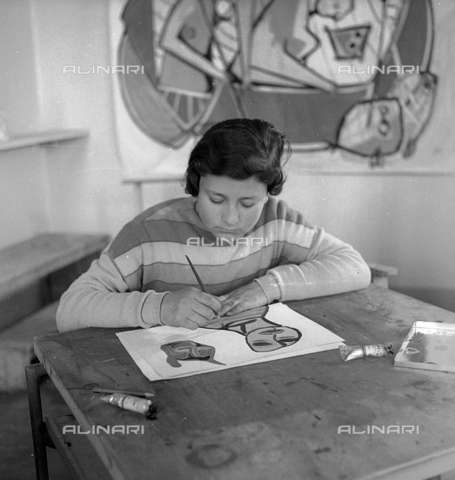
(150, 250)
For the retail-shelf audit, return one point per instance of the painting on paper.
(259, 335)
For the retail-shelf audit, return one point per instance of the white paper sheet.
(163, 352)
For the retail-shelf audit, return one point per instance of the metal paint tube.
(133, 404)
(351, 352)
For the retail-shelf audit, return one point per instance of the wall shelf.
(42, 138)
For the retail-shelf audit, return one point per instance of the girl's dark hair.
(240, 148)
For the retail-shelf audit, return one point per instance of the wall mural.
(336, 75)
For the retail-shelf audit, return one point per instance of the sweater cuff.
(270, 287)
(151, 310)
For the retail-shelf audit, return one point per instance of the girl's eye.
(244, 205)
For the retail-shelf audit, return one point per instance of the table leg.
(41, 439)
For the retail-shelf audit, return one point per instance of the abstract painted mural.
(352, 76)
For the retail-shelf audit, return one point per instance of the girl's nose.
(230, 215)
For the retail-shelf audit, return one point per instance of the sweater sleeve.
(101, 298)
(330, 266)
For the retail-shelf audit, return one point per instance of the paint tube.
(134, 404)
(351, 352)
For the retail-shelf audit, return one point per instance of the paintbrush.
(201, 285)
(125, 392)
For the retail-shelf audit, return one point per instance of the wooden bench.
(33, 275)
(380, 274)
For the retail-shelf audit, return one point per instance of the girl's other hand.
(241, 299)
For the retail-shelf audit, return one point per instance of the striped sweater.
(289, 258)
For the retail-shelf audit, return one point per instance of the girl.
(249, 248)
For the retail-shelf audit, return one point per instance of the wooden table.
(307, 417)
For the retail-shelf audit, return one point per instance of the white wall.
(405, 221)
(24, 199)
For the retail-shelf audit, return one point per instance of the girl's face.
(230, 208)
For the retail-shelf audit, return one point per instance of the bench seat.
(33, 275)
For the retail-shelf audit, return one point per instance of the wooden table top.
(307, 417)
